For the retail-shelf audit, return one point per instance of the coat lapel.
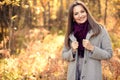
(89, 34)
(72, 37)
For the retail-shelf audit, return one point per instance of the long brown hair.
(92, 22)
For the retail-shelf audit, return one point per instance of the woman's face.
(79, 14)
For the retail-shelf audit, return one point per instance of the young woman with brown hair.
(86, 44)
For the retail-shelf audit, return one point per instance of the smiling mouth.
(81, 19)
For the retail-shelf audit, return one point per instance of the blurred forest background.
(32, 37)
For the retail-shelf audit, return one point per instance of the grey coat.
(91, 69)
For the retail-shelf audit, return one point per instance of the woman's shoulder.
(103, 29)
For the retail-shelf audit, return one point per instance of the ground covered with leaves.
(40, 58)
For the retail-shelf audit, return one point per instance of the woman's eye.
(82, 11)
(76, 14)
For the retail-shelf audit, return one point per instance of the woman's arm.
(105, 51)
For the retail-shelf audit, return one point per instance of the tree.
(99, 9)
(105, 15)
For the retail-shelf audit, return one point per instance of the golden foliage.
(40, 60)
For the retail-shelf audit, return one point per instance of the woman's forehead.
(78, 8)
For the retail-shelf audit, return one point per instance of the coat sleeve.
(105, 50)
(67, 54)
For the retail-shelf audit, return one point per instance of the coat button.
(85, 61)
(83, 77)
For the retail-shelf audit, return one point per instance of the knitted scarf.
(80, 32)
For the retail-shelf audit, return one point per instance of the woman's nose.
(80, 15)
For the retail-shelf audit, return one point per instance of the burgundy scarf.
(80, 32)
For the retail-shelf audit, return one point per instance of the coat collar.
(89, 34)
(72, 37)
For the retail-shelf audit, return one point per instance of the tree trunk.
(67, 3)
(61, 14)
(105, 15)
(99, 9)
(10, 30)
(44, 13)
(49, 27)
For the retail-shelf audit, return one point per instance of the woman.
(86, 44)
